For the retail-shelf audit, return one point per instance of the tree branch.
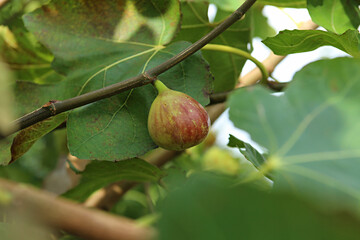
(108, 196)
(54, 108)
(71, 217)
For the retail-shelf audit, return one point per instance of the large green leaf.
(99, 174)
(287, 42)
(99, 51)
(335, 15)
(153, 22)
(116, 128)
(311, 131)
(195, 24)
(26, 57)
(207, 208)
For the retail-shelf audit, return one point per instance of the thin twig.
(71, 217)
(147, 77)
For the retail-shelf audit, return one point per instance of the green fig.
(177, 121)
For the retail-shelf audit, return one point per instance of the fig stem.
(160, 86)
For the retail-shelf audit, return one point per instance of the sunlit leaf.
(335, 15)
(152, 22)
(311, 131)
(25, 56)
(287, 42)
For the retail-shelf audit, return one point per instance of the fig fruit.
(176, 121)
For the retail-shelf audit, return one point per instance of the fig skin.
(177, 121)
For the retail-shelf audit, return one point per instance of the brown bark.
(71, 217)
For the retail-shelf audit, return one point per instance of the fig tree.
(176, 121)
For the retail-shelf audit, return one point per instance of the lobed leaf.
(295, 41)
(310, 131)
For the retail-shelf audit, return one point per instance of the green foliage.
(29, 60)
(231, 5)
(335, 15)
(38, 162)
(302, 184)
(310, 131)
(251, 154)
(6, 99)
(227, 5)
(287, 42)
(15, 8)
(27, 137)
(195, 24)
(27, 97)
(99, 174)
(285, 3)
(208, 208)
(98, 56)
